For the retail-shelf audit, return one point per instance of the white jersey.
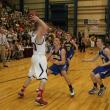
(38, 48)
(38, 68)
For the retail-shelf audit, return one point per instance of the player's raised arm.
(41, 22)
(107, 53)
(74, 43)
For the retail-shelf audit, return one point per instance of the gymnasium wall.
(70, 12)
(92, 10)
(39, 5)
(87, 9)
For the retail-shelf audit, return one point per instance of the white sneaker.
(72, 93)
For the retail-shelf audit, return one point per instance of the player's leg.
(25, 85)
(97, 77)
(49, 71)
(69, 60)
(100, 82)
(95, 71)
(95, 86)
(68, 82)
(39, 99)
(68, 64)
(28, 80)
(42, 75)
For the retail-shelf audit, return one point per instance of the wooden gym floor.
(57, 94)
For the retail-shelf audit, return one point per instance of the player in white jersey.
(38, 68)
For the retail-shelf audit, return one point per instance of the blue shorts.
(102, 71)
(56, 69)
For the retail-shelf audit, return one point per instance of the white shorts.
(38, 68)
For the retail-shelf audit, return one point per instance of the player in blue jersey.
(59, 63)
(102, 71)
(69, 46)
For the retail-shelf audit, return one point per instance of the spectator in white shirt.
(3, 45)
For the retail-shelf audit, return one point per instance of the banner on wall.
(93, 22)
(92, 25)
(93, 29)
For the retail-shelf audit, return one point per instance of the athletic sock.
(101, 86)
(40, 93)
(23, 89)
(95, 85)
(70, 88)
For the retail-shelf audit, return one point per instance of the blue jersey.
(57, 55)
(103, 71)
(103, 55)
(56, 69)
(69, 49)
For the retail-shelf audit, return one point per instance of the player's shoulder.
(106, 50)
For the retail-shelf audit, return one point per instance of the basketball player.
(102, 71)
(58, 58)
(38, 68)
(69, 46)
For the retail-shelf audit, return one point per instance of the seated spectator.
(18, 51)
(21, 50)
(28, 43)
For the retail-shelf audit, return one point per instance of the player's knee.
(49, 71)
(92, 74)
(30, 78)
(97, 76)
(44, 81)
(63, 73)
